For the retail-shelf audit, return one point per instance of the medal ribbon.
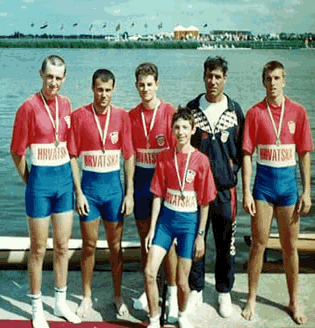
(147, 135)
(277, 132)
(55, 124)
(182, 184)
(102, 136)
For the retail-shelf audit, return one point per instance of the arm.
(248, 200)
(81, 202)
(128, 203)
(200, 239)
(305, 202)
(156, 206)
(21, 166)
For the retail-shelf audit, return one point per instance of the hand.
(82, 205)
(199, 247)
(305, 204)
(249, 204)
(148, 240)
(127, 206)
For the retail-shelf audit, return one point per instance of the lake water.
(180, 75)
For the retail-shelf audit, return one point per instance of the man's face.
(214, 83)
(274, 83)
(183, 131)
(53, 78)
(103, 93)
(147, 87)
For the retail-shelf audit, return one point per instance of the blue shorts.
(104, 194)
(277, 186)
(180, 225)
(143, 197)
(49, 190)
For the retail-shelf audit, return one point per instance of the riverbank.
(165, 44)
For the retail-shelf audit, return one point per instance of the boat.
(14, 251)
(221, 47)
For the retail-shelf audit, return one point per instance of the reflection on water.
(181, 73)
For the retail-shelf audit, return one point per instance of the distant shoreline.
(165, 44)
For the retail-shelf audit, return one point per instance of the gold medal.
(278, 142)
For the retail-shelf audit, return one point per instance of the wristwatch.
(201, 232)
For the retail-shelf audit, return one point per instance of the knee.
(38, 250)
(89, 247)
(115, 248)
(61, 247)
(150, 275)
(289, 247)
(259, 245)
(182, 284)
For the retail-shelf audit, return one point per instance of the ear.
(41, 73)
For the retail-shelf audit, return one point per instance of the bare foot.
(120, 306)
(85, 307)
(297, 314)
(249, 310)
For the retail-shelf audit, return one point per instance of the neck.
(277, 101)
(151, 103)
(47, 97)
(215, 99)
(183, 148)
(101, 110)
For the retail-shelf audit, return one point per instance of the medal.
(55, 124)
(277, 131)
(98, 124)
(182, 183)
(146, 134)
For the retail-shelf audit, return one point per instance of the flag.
(75, 24)
(61, 27)
(132, 25)
(104, 25)
(91, 26)
(44, 25)
(146, 25)
(160, 26)
(32, 24)
(118, 27)
(205, 25)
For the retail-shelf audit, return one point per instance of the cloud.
(116, 11)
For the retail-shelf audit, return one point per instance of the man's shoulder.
(194, 104)
(82, 110)
(294, 105)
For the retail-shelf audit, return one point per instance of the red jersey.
(85, 139)
(160, 137)
(34, 129)
(199, 187)
(295, 134)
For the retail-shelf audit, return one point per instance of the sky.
(151, 17)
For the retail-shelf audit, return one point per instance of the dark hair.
(104, 74)
(53, 60)
(213, 63)
(147, 69)
(184, 113)
(271, 66)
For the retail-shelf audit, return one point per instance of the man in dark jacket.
(219, 122)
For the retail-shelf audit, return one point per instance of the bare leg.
(62, 228)
(260, 227)
(289, 227)
(114, 231)
(89, 231)
(38, 231)
(183, 269)
(155, 258)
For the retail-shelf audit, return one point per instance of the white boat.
(14, 251)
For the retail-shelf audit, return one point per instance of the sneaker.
(38, 318)
(183, 322)
(195, 299)
(225, 304)
(141, 303)
(154, 322)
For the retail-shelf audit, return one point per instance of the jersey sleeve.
(205, 185)
(303, 137)
(250, 132)
(158, 184)
(170, 134)
(127, 144)
(21, 130)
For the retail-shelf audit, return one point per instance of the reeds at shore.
(161, 44)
